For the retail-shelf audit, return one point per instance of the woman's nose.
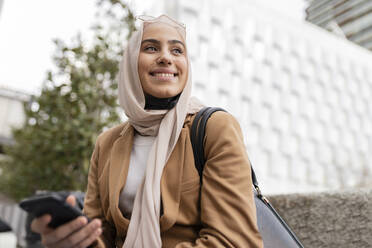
(164, 58)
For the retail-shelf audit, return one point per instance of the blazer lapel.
(119, 165)
(171, 184)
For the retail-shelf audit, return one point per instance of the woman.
(143, 188)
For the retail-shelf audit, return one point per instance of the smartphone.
(52, 204)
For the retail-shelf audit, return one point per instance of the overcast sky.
(28, 27)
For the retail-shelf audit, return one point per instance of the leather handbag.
(273, 229)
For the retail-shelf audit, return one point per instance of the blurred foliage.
(52, 150)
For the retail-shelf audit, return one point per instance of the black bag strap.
(197, 141)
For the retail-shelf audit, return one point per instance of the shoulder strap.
(197, 141)
(197, 137)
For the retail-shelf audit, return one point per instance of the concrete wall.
(339, 219)
(300, 93)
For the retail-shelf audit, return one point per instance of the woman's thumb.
(71, 200)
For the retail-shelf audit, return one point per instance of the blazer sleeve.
(92, 203)
(228, 212)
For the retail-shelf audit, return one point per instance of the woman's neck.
(152, 102)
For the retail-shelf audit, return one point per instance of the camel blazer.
(221, 214)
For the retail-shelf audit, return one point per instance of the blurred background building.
(11, 113)
(349, 18)
(301, 94)
(1, 5)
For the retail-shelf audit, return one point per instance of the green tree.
(78, 100)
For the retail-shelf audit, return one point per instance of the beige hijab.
(166, 125)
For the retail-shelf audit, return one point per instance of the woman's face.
(162, 61)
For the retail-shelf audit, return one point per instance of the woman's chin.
(164, 91)
(165, 94)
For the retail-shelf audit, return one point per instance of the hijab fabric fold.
(166, 125)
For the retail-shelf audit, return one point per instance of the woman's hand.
(76, 233)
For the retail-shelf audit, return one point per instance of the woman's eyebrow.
(175, 42)
(151, 41)
(158, 42)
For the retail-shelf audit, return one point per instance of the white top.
(136, 172)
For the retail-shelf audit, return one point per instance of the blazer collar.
(119, 165)
(170, 184)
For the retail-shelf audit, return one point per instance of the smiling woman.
(143, 187)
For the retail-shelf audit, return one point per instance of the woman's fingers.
(63, 231)
(88, 241)
(85, 235)
(40, 224)
(71, 200)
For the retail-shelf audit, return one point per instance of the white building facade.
(1, 5)
(11, 112)
(301, 94)
(11, 115)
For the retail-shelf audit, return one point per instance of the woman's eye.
(150, 49)
(177, 51)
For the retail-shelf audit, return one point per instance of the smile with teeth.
(163, 76)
